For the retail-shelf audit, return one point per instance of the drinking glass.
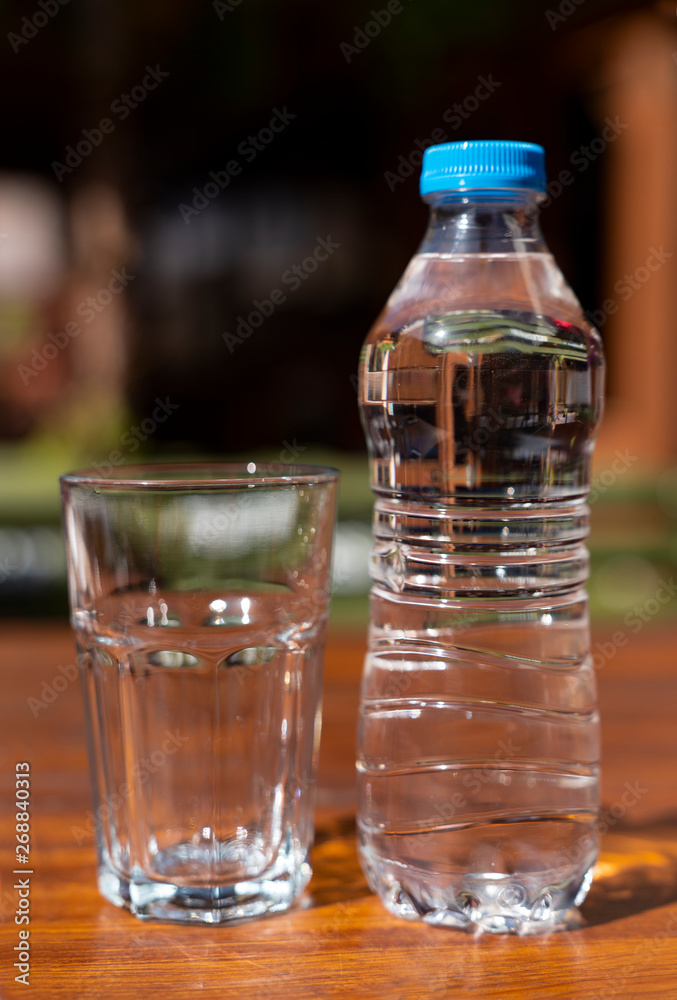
(199, 600)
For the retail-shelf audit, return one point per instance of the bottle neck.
(483, 222)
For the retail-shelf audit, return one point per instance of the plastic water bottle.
(480, 394)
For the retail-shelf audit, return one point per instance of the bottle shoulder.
(440, 284)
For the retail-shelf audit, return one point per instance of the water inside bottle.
(478, 745)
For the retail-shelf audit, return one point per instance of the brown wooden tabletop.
(339, 942)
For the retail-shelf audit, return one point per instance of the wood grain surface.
(339, 942)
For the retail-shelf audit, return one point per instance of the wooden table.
(340, 942)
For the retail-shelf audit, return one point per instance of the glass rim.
(203, 475)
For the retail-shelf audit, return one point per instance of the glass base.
(272, 892)
(501, 904)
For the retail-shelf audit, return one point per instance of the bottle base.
(534, 903)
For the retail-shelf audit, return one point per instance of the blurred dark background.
(203, 207)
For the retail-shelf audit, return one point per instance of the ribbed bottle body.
(478, 740)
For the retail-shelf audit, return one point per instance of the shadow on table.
(337, 876)
(636, 872)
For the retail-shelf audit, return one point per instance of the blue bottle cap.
(467, 166)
